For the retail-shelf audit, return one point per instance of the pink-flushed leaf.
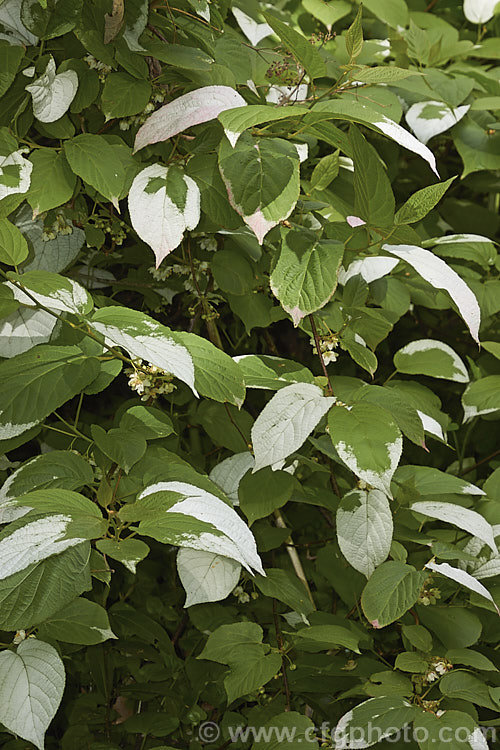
(354, 221)
(190, 109)
(160, 219)
(441, 276)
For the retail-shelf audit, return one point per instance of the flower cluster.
(117, 230)
(208, 243)
(437, 668)
(429, 595)
(242, 595)
(326, 345)
(102, 68)
(137, 120)
(60, 226)
(285, 71)
(149, 381)
(179, 269)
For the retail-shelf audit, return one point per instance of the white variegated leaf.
(10, 19)
(364, 529)
(439, 274)
(190, 109)
(24, 329)
(34, 541)
(206, 577)
(52, 93)
(287, 421)
(235, 540)
(146, 339)
(32, 683)
(156, 217)
(463, 578)
(228, 474)
(479, 11)
(25, 168)
(464, 518)
(370, 269)
(285, 94)
(432, 426)
(428, 119)
(254, 31)
(67, 295)
(431, 357)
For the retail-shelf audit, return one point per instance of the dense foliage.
(247, 430)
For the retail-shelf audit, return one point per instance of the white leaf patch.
(24, 168)
(156, 217)
(206, 577)
(287, 421)
(465, 519)
(364, 529)
(431, 426)
(428, 119)
(370, 269)
(10, 19)
(190, 109)
(439, 274)
(52, 93)
(228, 474)
(381, 480)
(463, 578)
(71, 297)
(285, 94)
(456, 370)
(33, 542)
(24, 329)
(254, 31)
(236, 541)
(31, 687)
(479, 11)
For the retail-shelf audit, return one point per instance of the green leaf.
(478, 148)
(481, 397)
(296, 728)
(82, 621)
(456, 627)
(127, 551)
(403, 413)
(98, 163)
(13, 246)
(392, 12)
(422, 202)
(216, 375)
(430, 481)
(31, 687)
(56, 469)
(123, 447)
(325, 171)
(52, 181)
(240, 647)
(368, 441)
(262, 493)
(232, 272)
(354, 37)
(124, 95)
(287, 588)
(30, 596)
(391, 591)
(149, 422)
(374, 199)
(435, 732)
(236, 121)
(431, 357)
(262, 180)
(307, 55)
(10, 58)
(418, 636)
(52, 21)
(271, 373)
(39, 381)
(468, 687)
(471, 659)
(52, 255)
(325, 637)
(305, 276)
(410, 661)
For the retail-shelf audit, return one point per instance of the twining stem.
(294, 557)
(279, 641)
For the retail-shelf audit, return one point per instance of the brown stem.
(318, 350)
(482, 461)
(226, 407)
(279, 641)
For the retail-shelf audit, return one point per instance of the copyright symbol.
(208, 732)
